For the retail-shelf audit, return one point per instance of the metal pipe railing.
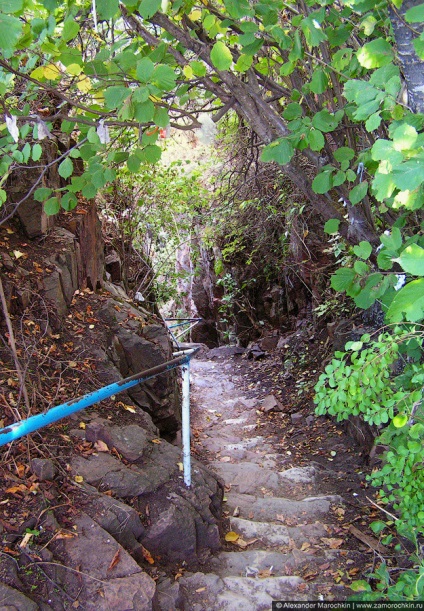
(38, 421)
(184, 321)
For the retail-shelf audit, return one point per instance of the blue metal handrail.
(38, 421)
(184, 321)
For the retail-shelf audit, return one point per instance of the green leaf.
(292, 111)
(409, 175)
(12, 6)
(106, 9)
(161, 117)
(42, 194)
(404, 137)
(339, 178)
(319, 82)
(375, 54)
(316, 140)
(66, 168)
(133, 163)
(243, 63)
(221, 56)
(114, 96)
(384, 150)
(412, 260)
(10, 31)
(363, 250)
(70, 30)
(344, 153)
(393, 241)
(416, 431)
(323, 182)
(332, 226)
(144, 112)
(199, 68)
(312, 30)
(151, 153)
(373, 122)
(145, 69)
(147, 8)
(400, 420)
(361, 268)
(280, 150)
(360, 586)
(408, 303)
(52, 206)
(342, 279)
(378, 526)
(358, 193)
(419, 46)
(69, 201)
(415, 14)
(383, 186)
(325, 121)
(164, 77)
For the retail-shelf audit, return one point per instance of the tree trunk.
(412, 66)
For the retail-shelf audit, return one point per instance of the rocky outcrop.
(134, 345)
(179, 523)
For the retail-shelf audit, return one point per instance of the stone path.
(286, 548)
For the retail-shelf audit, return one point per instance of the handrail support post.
(185, 370)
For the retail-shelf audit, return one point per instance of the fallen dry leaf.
(266, 573)
(79, 479)
(101, 446)
(15, 489)
(200, 589)
(25, 540)
(147, 555)
(232, 536)
(156, 441)
(114, 560)
(333, 543)
(18, 254)
(305, 545)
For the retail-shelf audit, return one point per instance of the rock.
(269, 343)
(117, 518)
(130, 441)
(268, 534)
(53, 292)
(267, 508)
(310, 420)
(101, 561)
(169, 595)
(255, 352)
(208, 591)
(135, 347)
(297, 417)
(13, 600)
(299, 475)
(183, 522)
(44, 469)
(225, 351)
(113, 266)
(7, 261)
(271, 404)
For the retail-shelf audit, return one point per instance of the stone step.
(277, 509)
(204, 592)
(257, 563)
(273, 535)
(251, 478)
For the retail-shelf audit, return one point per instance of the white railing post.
(185, 369)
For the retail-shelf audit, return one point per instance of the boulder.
(105, 576)
(179, 523)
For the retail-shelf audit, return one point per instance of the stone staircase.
(284, 526)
